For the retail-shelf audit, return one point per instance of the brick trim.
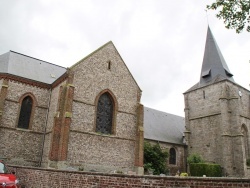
(3, 95)
(60, 133)
(139, 149)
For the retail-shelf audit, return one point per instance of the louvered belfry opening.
(104, 116)
(25, 113)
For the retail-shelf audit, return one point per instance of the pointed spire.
(213, 66)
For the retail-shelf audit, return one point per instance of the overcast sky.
(162, 42)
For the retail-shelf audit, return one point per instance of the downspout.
(45, 129)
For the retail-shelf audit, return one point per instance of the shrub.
(155, 158)
(194, 158)
(184, 174)
(210, 170)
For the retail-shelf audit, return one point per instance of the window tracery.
(104, 116)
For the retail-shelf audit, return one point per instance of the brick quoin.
(62, 121)
(140, 137)
(3, 94)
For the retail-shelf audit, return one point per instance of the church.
(90, 117)
(217, 115)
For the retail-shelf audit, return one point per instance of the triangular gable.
(100, 48)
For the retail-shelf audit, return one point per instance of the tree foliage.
(194, 158)
(155, 158)
(235, 13)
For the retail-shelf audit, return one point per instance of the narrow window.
(204, 95)
(109, 65)
(245, 139)
(172, 156)
(25, 113)
(104, 116)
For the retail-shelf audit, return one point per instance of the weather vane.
(207, 17)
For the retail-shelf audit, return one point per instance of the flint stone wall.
(26, 145)
(103, 70)
(50, 122)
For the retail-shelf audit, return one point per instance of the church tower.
(217, 115)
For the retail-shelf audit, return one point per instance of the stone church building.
(89, 116)
(86, 116)
(217, 115)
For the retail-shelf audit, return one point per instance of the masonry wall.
(103, 70)
(50, 121)
(180, 156)
(23, 146)
(38, 178)
(214, 118)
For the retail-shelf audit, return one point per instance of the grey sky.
(162, 42)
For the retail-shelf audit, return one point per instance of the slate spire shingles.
(214, 66)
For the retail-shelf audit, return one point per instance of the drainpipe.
(45, 128)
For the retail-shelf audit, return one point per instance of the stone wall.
(101, 153)
(214, 118)
(103, 71)
(180, 156)
(46, 178)
(23, 146)
(50, 121)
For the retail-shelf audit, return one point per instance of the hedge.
(210, 170)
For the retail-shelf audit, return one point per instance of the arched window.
(25, 113)
(172, 156)
(104, 116)
(245, 140)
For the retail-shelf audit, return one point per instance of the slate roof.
(214, 67)
(31, 68)
(162, 126)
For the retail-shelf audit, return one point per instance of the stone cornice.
(33, 82)
(103, 135)
(203, 116)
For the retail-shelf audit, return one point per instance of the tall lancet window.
(104, 116)
(172, 156)
(245, 140)
(25, 113)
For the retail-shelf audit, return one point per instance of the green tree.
(235, 13)
(194, 158)
(155, 158)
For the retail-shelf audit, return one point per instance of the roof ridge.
(90, 54)
(36, 59)
(110, 42)
(163, 111)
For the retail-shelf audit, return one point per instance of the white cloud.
(162, 42)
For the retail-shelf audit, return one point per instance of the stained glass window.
(25, 113)
(104, 116)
